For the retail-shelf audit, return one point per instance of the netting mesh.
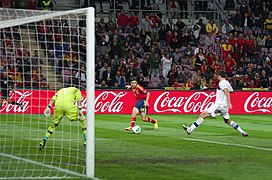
(41, 52)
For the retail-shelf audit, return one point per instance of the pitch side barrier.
(113, 101)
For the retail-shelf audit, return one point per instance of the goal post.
(42, 52)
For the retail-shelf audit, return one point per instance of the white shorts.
(217, 109)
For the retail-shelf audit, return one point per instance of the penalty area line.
(227, 144)
(41, 164)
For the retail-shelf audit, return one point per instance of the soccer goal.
(42, 52)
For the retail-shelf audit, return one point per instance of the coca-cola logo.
(190, 103)
(105, 103)
(6, 107)
(254, 103)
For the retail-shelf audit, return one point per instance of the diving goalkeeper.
(64, 106)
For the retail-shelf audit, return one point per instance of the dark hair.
(222, 73)
(133, 79)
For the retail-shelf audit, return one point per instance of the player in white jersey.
(220, 107)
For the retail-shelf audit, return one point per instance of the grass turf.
(213, 151)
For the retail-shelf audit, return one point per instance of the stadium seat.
(106, 7)
(125, 6)
(97, 7)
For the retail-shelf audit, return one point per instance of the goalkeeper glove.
(80, 114)
(47, 111)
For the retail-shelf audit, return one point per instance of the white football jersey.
(221, 98)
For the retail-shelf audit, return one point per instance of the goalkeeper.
(64, 106)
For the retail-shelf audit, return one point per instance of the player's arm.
(52, 101)
(147, 98)
(227, 93)
(78, 99)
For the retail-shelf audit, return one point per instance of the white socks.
(236, 127)
(196, 123)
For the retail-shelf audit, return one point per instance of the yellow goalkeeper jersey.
(65, 97)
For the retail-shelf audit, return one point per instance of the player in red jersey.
(141, 106)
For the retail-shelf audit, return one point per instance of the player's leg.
(134, 113)
(206, 113)
(51, 128)
(233, 124)
(144, 111)
(72, 115)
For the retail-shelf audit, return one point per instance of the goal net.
(41, 52)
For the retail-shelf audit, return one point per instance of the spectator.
(244, 8)
(175, 41)
(171, 75)
(265, 59)
(155, 66)
(179, 75)
(230, 65)
(199, 57)
(122, 21)
(217, 65)
(211, 27)
(81, 76)
(101, 25)
(147, 25)
(115, 48)
(204, 67)
(235, 19)
(6, 3)
(162, 83)
(261, 39)
(166, 64)
(176, 56)
(209, 40)
(268, 43)
(141, 80)
(176, 84)
(119, 79)
(191, 39)
(103, 84)
(226, 49)
(196, 30)
(255, 53)
(189, 52)
(202, 25)
(227, 27)
(110, 25)
(162, 35)
(187, 74)
(268, 24)
(246, 23)
(108, 76)
(196, 79)
(133, 22)
(145, 67)
(217, 48)
(237, 52)
(131, 72)
(229, 5)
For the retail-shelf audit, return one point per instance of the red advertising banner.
(161, 102)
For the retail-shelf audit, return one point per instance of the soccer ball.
(136, 129)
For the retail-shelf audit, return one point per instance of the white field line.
(48, 177)
(227, 144)
(200, 140)
(45, 165)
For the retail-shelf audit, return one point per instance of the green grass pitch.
(213, 151)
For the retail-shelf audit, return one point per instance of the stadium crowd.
(166, 55)
(175, 55)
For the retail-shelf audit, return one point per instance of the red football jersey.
(139, 92)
